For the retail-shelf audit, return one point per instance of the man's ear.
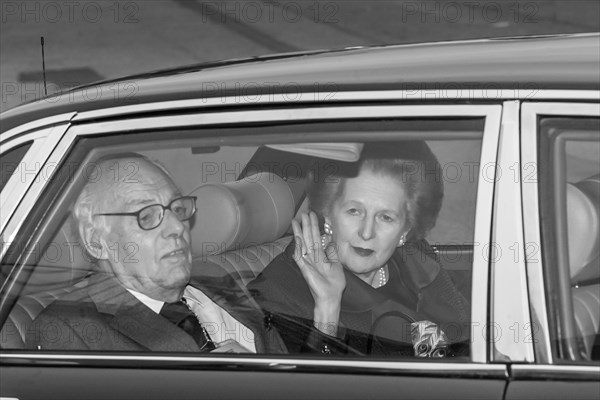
(93, 242)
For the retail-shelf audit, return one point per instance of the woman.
(364, 283)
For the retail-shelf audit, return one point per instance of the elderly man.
(143, 296)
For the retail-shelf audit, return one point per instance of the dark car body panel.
(563, 62)
(189, 384)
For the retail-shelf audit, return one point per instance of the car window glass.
(570, 181)
(9, 162)
(246, 195)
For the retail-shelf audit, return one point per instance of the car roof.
(537, 62)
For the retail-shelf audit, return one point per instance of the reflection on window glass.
(572, 256)
(9, 162)
(191, 247)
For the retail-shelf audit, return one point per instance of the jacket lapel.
(136, 321)
(370, 311)
(418, 264)
(358, 296)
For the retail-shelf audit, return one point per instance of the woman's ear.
(402, 240)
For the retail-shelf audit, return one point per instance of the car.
(514, 123)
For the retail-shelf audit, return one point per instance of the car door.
(560, 166)
(35, 214)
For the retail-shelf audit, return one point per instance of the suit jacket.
(104, 316)
(372, 320)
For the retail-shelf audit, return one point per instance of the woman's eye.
(387, 218)
(353, 211)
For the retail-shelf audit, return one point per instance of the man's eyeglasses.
(151, 216)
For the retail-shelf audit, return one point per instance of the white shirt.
(154, 305)
(219, 324)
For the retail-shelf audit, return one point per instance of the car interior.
(583, 205)
(572, 198)
(247, 194)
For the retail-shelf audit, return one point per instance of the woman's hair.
(412, 163)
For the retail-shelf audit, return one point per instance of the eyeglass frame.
(136, 214)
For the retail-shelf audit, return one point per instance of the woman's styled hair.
(411, 163)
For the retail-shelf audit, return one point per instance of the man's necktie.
(179, 314)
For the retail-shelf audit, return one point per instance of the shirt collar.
(153, 304)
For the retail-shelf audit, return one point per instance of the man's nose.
(367, 229)
(171, 225)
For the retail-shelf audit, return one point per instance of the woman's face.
(368, 220)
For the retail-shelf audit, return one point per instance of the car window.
(570, 187)
(247, 184)
(9, 162)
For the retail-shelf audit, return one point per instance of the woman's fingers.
(316, 235)
(303, 253)
(298, 240)
(325, 280)
(307, 234)
(308, 243)
(311, 236)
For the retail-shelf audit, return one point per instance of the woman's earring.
(328, 232)
(401, 243)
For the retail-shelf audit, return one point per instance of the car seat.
(63, 264)
(583, 213)
(240, 225)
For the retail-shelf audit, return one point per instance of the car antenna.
(44, 67)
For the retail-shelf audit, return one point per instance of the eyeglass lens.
(151, 216)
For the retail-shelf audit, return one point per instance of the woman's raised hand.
(322, 271)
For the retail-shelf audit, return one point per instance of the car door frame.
(478, 369)
(546, 375)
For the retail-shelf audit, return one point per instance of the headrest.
(583, 211)
(255, 210)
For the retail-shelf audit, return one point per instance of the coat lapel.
(136, 321)
(418, 264)
(370, 311)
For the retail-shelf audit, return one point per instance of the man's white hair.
(103, 189)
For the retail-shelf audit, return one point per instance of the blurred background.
(86, 41)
